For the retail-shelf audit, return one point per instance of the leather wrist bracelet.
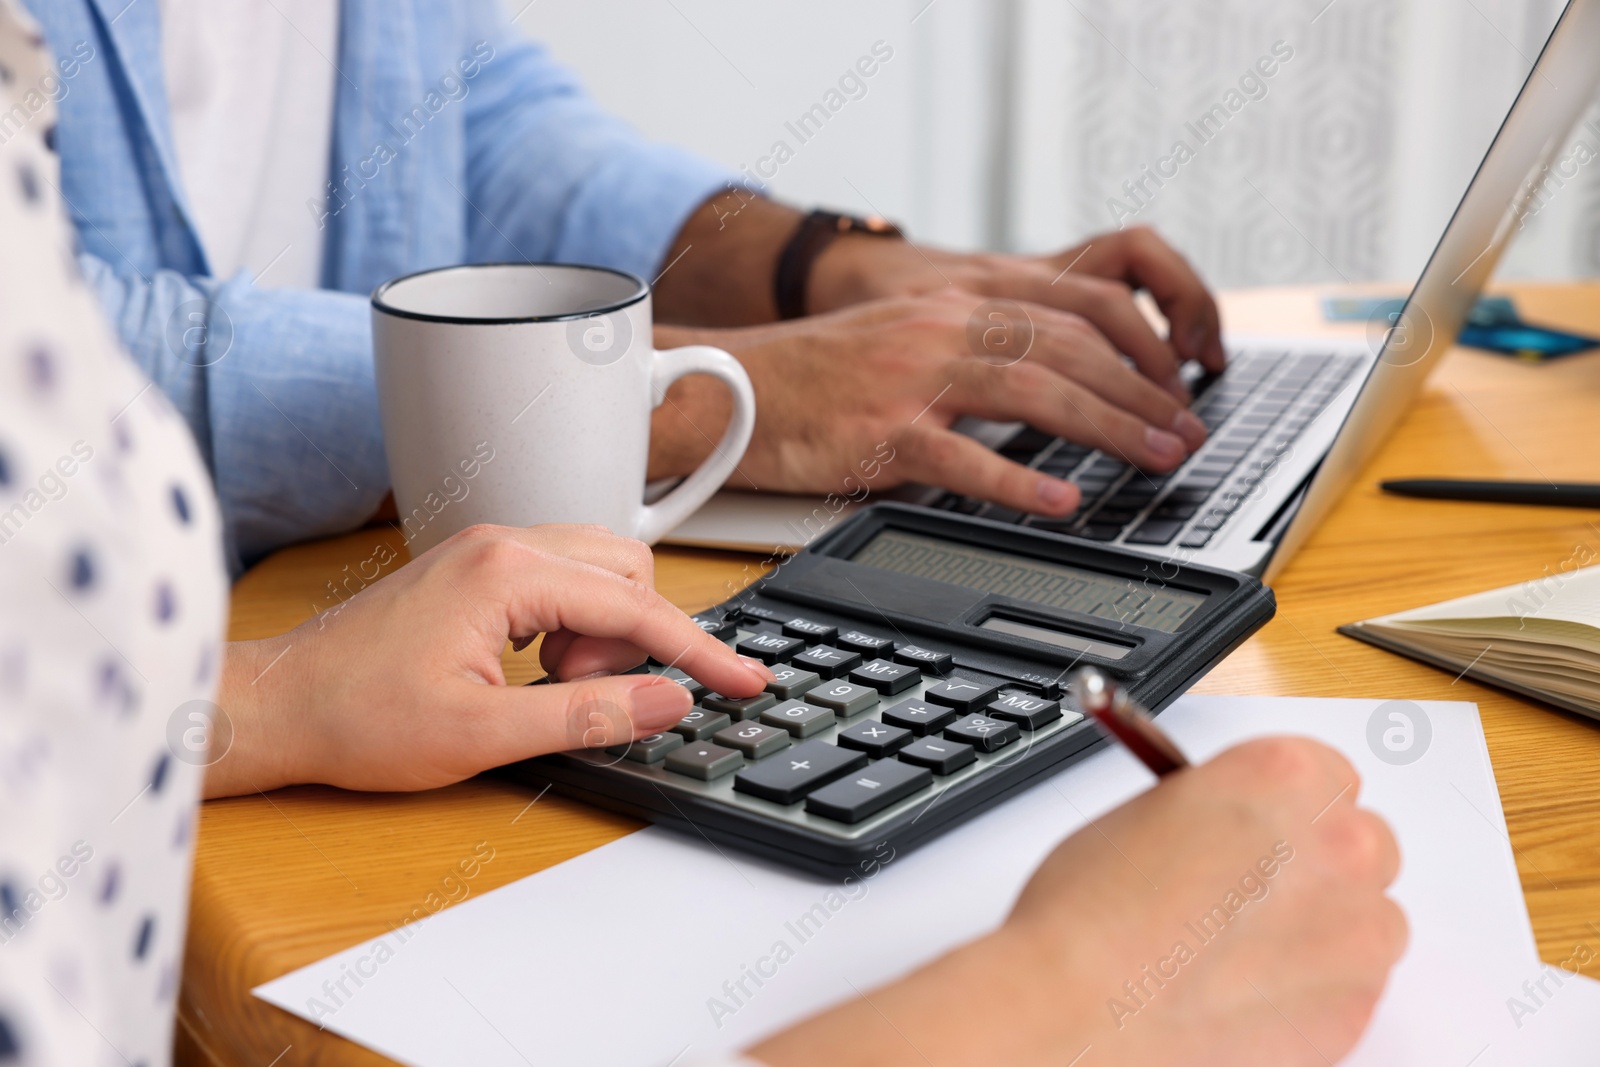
(816, 232)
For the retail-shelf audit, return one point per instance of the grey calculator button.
(875, 738)
(938, 755)
(865, 793)
(753, 739)
(983, 734)
(887, 678)
(963, 694)
(919, 716)
(799, 718)
(926, 658)
(845, 698)
(740, 708)
(794, 772)
(696, 689)
(1025, 709)
(652, 749)
(700, 724)
(812, 633)
(828, 661)
(721, 625)
(860, 642)
(789, 682)
(704, 761)
(769, 648)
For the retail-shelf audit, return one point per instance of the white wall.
(723, 77)
(1011, 123)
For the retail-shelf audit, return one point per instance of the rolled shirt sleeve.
(513, 161)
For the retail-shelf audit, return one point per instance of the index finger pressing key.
(560, 593)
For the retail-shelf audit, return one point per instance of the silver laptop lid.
(1560, 87)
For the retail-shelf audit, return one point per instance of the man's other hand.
(1095, 280)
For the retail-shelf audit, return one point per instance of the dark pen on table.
(1539, 494)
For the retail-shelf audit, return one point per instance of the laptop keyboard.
(1254, 412)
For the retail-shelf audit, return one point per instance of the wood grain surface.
(286, 878)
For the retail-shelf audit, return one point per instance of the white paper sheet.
(621, 955)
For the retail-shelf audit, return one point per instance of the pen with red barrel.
(1106, 703)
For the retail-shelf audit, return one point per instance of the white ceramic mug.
(520, 393)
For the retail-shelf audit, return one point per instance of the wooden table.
(282, 880)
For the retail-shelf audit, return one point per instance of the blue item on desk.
(1493, 325)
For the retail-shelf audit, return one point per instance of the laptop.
(1292, 420)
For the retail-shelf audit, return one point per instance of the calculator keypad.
(855, 726)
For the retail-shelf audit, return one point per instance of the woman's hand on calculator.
(401, 686)
(1233, 915)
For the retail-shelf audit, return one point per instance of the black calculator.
(920, 660)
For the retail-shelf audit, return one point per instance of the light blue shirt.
(455, 140)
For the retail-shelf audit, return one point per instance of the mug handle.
(658, 519)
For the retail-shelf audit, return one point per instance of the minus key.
(938, 755)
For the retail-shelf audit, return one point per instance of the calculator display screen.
(1102, 596)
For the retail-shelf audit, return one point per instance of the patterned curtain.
(1280, 141)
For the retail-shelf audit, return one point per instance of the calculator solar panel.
(920, 661)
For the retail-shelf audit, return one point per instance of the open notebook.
(1540, 638)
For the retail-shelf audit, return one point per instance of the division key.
(919, 716)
